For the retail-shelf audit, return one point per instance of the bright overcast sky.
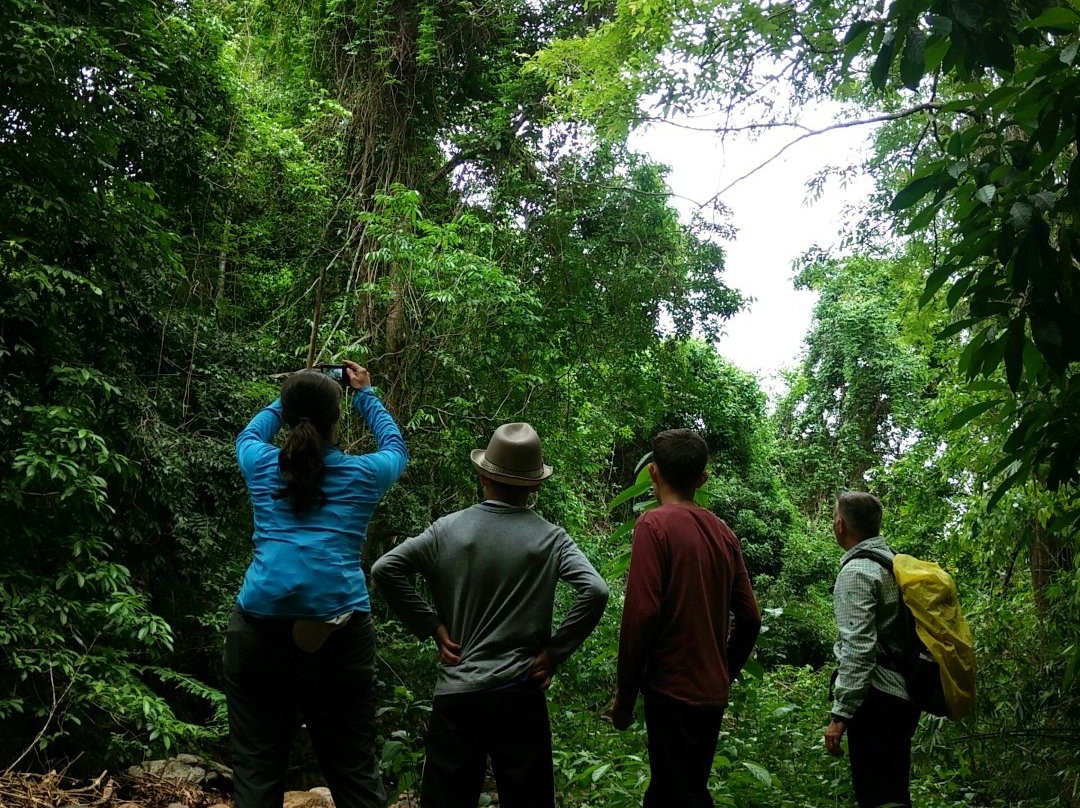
(775, 223)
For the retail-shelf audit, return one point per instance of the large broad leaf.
(624, 529)
(934, 282)
(1014, 353)
(880, 71)
(754, 668)
(854, 40)
(913, 59)
(971, 413)
(1018, 475)
(760, 772)
(1058, 17)
(637, 489)
(916, 190)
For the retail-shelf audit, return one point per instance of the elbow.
(380, 571)
(598, 592)
(754, 625)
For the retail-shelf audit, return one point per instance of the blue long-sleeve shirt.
(307, 565)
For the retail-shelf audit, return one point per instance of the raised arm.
(389, 459)
(255, 438)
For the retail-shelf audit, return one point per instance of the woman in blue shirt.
(301, 636)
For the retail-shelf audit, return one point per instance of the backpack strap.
(886, 563)
(891, 659)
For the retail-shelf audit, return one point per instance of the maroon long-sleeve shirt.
(687, 580)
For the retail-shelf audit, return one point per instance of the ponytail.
(301, 466)
(311, 406)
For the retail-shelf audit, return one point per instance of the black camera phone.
(335, 372)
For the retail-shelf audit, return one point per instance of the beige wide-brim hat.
(513, 456)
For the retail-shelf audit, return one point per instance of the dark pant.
(268, 678)
(682, 743)
(509, 725)
(879, 745)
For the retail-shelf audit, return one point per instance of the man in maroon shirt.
(677, 645)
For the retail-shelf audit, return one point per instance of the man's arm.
(855, 604)
(588, 608)
(641, 613)
(394, 572)
(744, 608)
(255, 438)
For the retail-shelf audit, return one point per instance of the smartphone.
(335, 372)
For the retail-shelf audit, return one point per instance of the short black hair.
(861, 512)
(680, 456)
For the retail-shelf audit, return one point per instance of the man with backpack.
(871, 702)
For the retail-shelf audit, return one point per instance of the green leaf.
(637, 489)
(1020, 215)
(955, 328)
(934, 282)
(1071, 668)
(913, 59)
(1022, 471)
(986, 193)
(880, 71)
(854, 39)
(915, 190)
(754, 668)
(760, 772)
(1033, 360)
(1014, 353)
(935, 53)
(624, 529)
(971, 413)
(924, 217)
(641, 466)
(1057, 17)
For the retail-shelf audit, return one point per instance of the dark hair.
(861, 512)
(680, 456)
(311, 406)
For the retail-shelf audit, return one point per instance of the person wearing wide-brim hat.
(492, 569)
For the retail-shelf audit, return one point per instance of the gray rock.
(176, 769)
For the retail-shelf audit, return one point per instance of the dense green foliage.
(197, 197)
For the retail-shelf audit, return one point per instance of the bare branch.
(892, 116)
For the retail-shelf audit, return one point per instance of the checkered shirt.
(866, 600)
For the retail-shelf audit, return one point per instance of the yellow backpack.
(937, 660)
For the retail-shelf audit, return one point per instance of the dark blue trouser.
(682, 743)
(268, 678)
(879, 745)
(509, 725)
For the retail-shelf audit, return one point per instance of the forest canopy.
(198, 197)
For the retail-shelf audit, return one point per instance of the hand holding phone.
(336, 372)
(358, 377)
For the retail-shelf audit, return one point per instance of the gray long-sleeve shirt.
(492, 570)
